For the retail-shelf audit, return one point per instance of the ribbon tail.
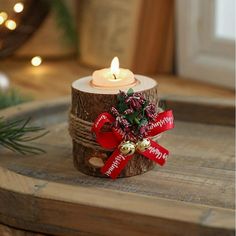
(115, 164)
(156, 153)
(163, 122)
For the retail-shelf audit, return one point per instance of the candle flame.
(115, 66)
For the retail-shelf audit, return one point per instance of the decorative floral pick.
(134, 122)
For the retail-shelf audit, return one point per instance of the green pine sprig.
(11, 98)
(138, 117)
(64, 20)
(15, 134)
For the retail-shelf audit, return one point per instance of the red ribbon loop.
(105, 139)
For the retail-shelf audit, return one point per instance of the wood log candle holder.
(87, 103)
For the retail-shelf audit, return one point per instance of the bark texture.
(88, 106)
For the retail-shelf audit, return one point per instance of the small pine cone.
(124, 122)
(114, 111)
(128, 111)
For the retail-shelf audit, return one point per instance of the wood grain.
(155, 48)
(9, 231)
(73, 210)
(192, 195)
(201, 110)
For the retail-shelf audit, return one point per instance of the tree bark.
(87, 106)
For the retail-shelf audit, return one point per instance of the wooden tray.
(193, 194)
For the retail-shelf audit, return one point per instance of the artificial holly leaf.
(143, 122)
(136, 121)
(122, 107)
(132, 117)
(143, 107)
(145, 104)
(120, 98)
(130, 92)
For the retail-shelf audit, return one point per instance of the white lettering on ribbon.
(102, 117)
(119, 132)
(115, 164)
(157, 153)
(161, 122)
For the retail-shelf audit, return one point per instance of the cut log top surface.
(85, 85)
(193, 194)
(88, 102)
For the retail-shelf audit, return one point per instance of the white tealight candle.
(113, 76)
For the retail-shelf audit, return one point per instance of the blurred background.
(188, 46)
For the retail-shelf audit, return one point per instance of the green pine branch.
(14, 136)
(12, 98)
(64, 20)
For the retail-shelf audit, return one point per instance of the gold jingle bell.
(143, 145)
(127, 148)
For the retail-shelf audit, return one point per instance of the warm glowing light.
(10, 24)
(1, 20)
(115, 66)
(3, 17)
(18, 7)
(36, 61)
(4, 82)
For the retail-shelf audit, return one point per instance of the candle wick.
(114, 76)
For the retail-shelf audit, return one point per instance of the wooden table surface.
(192, 195)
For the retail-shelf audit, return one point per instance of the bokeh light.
(36, 61)
(10, 24)
(18, 7)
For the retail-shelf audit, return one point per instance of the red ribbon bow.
(112, 139)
